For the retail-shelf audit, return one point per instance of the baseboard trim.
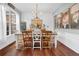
(5, 49)
(68, 47)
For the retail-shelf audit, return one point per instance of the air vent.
(13, 7)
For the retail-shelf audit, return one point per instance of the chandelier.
(36, 12)
(36, 22)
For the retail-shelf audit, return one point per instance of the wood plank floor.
(61, 50)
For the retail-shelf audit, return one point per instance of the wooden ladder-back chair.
(46, 38)
(27, 38)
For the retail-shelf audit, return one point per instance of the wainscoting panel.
(6, 41)
(70, 38)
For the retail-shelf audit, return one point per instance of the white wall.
(17, 22)
(46, 17)
(0, 22)
(69, 37)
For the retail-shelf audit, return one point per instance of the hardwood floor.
(61, 50)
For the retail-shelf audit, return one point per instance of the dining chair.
(36, 36)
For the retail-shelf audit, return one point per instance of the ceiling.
(42, 7)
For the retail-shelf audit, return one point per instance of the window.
(65, 20)
(10, 22)
(13, 22)
(7, 22)
(75, 16)
(58, 21)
